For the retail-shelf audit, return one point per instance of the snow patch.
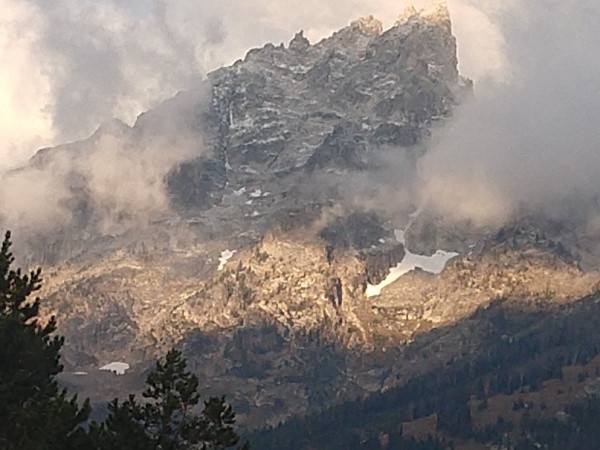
(225, 256)
(256, 194)
(118, 368)
(80, 373)
(432, 264)
(239, 192)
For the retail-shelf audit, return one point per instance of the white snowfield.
(118, 368)
(432, 264)
(225, 256)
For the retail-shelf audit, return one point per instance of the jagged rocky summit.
(292, 111)
(258, 261)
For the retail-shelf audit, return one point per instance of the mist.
(111, 182)
(531, 144)
(526, 138)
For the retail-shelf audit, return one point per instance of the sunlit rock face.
(257, 244)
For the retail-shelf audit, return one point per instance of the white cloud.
(23, 123)
(533, 142)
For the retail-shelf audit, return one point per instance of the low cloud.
(533, 143)
(527, 138)
(110, 183)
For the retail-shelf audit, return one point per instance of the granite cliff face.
(251, 250)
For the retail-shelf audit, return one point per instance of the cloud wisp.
(532, 143)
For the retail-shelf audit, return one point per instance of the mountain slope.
(249, 219)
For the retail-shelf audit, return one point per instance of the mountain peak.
(299, 42)
(228, 207)
(368, 25)
(437, 13)
(113, 127)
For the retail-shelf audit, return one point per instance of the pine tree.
(34, 412)
(124, 428)
(166, 419)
